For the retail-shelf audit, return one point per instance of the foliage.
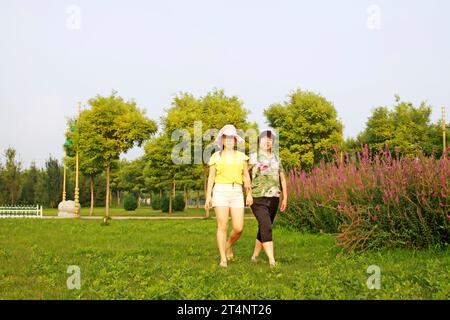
(306, 123)
(374, 200)
(404, 126)
(178, 202)
(130, 202)
(156, 203)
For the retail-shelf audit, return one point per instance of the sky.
(358, 54)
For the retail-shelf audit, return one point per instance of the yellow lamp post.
(77, 190)
(64, 178)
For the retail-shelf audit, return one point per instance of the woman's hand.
(207, 204)
(249, 200)
(283, 205)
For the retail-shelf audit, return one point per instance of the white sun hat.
(228, 130)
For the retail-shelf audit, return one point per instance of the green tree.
(89, 148)
(404, 127)
(113, 126)
(436, 139)
(53, 181)
(306, 123)
(159, 165)
(3, 196)
(12, 176)
(214, 110)
(380, 129)
(30, 180)
(411, 128)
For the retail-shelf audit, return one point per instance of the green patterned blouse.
(265, 174)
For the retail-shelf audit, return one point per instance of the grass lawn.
(178, 259)
(141, 212)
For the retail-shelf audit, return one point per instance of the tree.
(380, 129)
(12, 176)
(89, 148)
(411, 128)
(113, 126)
(306, 123)
(405, 128)
(131, 177)
(3, 196)
(159, 164)
(30, 180)
(53, 181)
(214, 110)
(436, 139)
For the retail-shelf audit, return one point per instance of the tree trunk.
(107, 192)
(160, 194)
(186, 198)
(118, 198)
(205, 186)
(139, 200)
(170, 196)
(91, 211)
(198, 199)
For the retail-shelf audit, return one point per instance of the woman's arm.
(209, 186)
(283, 191)
(247, 185)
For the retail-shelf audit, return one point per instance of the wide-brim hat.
(228, 130)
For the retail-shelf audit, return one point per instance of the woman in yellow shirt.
(228, 171)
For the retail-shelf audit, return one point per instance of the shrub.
(165, 203)
(156, 203)
(130, 202)
(179, 203)
(373, 200)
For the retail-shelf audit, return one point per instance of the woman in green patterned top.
(268, 184)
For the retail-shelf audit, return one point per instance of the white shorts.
(227, 195)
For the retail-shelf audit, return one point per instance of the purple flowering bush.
(371, 200)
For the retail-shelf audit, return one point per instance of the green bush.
(130, 202)
(165, 203)
(177, 203)
(156, 203)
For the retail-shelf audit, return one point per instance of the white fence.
(20, 211)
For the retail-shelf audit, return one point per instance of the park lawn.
(178, 259)
(141, 212)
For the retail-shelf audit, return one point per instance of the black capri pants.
(265, 209)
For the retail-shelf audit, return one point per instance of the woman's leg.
(260, 209)
(257, 250)
(222, 215)
(237, 218)
(268, 245)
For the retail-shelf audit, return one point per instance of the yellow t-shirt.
(229, 168)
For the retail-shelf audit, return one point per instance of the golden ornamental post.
(77, 190)
(64, 177)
